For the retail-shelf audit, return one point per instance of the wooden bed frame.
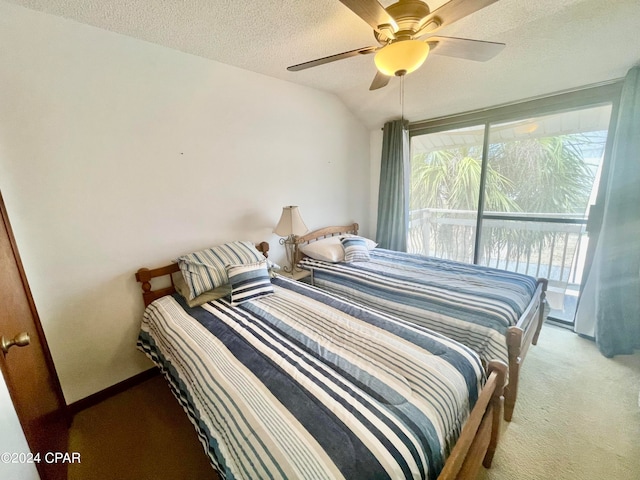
(480, 434)
(518, 337)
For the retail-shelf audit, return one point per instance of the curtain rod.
(480, 111)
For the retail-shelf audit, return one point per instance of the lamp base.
(289, 247)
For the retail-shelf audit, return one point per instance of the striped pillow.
(249, 282)
(206, 269)
(355, 249)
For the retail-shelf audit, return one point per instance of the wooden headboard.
(145, 275)
(320, 234)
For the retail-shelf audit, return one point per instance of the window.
(512, 188)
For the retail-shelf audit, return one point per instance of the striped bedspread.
(472, 304)
(303, 385)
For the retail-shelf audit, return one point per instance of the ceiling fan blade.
(450, 12)
(477, 50)
(373, 13)
(379, 81)
(332, 58)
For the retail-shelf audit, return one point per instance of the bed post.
(496, 414)
(145, 275)
(479, 437)
(514, 343)
(263, 247)
(544, 282)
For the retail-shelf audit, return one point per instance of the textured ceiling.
(552, 46)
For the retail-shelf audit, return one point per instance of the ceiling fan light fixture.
(401, 57)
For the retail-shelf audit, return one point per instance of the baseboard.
(559, 323)
(102, 395)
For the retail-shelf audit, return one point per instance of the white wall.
(117, 154)
(12, 440)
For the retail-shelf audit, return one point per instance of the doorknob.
(20, 340)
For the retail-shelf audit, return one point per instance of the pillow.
(370, 243)
(355, 249)
(249, 282)
(206, 269)
(330, 249)
(183, 289)
(273, 268)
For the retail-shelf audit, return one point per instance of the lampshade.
(290, 222)
(401, 57)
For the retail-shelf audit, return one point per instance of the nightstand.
(299, 275)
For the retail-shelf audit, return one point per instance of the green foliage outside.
(545, 175)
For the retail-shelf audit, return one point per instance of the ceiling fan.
(404, 31)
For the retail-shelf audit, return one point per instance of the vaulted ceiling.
(552, 46)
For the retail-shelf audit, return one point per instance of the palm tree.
(549, 174)
(449, 180)
(540, 175)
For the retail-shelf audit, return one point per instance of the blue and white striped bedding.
(303, 385)
(471, 304)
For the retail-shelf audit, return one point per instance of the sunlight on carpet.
(577, 415)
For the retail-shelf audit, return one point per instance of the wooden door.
(28, 370)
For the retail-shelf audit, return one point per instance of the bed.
(299, 383)
(497, 313)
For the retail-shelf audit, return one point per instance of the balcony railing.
(552, 247)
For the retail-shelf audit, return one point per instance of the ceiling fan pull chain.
(402, 97)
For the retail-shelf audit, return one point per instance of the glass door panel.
(445, 185)
(542, 175)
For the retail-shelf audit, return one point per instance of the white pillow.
(330, 249)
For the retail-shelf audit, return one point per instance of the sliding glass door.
(551, 168)
(514, 193)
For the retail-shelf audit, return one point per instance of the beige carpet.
(578, 416)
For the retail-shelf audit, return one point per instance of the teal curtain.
(618, 282)
(393, 195)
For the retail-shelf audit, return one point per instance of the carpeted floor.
(578, 418)
(140, 434)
